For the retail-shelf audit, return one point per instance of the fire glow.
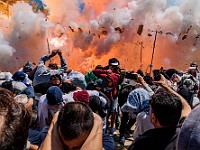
(58, 42)
(105, 29)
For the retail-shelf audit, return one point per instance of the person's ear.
(153, 118)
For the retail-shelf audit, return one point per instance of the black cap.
(113, 62)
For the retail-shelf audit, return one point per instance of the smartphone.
(156, 75)
(157, 78)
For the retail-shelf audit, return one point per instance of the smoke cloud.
(94, 31)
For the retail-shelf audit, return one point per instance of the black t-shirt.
(158, 138)
(43, 87)
(155, 139)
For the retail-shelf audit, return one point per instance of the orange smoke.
(106, 29)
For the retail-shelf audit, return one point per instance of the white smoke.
(178, 22)
(63, 11)
(102, 27)
(5, 50)
(27, 34)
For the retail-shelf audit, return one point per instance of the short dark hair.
(53, 65)
(74, 119)
(167, 108)
(55, 76)
(15, 121)
(96, 106)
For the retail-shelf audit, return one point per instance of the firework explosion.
(90, 32)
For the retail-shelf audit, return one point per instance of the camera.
(131, 75)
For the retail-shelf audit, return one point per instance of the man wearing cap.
(49, 104)
(111, 75)
(113, 65)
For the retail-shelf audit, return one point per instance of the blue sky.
(81, 3)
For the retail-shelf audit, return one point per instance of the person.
(49, 104)
(110, 89)
(194, 65)
(6, 92)
(5, 76)
(14, 126)
(21, 88)
(189, 135)
(137, 105)
(42, 73)
(126, 121)
(27, 67)
(76, 78)
(55, 80)
(98, 107)
(167, 108)
(74, 127)
(188, 88)
(113, 65)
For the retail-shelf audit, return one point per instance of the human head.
(99, 67)
(75, 122)
(53, 65)
(19, 76)
(81, 96)
(140, 72)
(113, 64)
(192, 71)
(194, 64)
(148, 79)
(27, 67)
(99, 84)
(96, 106)
(54, 96)
(14, 124)
(55, 80)
(6, 92)
(165, 109)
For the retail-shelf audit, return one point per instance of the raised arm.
(186, 108)
(140, 80)
(62, 61)
(47, 57)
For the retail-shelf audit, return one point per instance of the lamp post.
(152, 56)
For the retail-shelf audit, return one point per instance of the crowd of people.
(52, 107)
